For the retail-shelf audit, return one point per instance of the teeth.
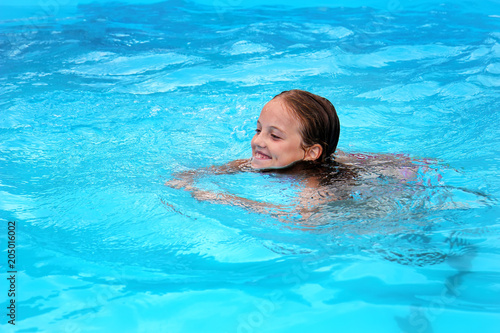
(261, 156)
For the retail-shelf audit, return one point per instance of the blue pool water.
(102, 102)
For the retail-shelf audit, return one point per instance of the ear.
(313, 152)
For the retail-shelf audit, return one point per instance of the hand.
(179, 184)
(207, 195)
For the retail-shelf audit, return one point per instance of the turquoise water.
(101, 103)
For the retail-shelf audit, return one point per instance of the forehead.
(275, 113)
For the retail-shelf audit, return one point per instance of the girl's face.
(277, 142)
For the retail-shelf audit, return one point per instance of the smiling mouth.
(261, 156)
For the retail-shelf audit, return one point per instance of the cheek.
(287, 147)
(293, 150)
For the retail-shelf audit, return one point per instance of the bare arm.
(308, 202)
(234, 200)
(186, 180)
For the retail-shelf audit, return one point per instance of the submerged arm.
(234, 200)
(309, 201)
(186, 180)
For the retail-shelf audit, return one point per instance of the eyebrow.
(272, 127)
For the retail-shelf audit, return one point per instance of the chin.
(258, 164)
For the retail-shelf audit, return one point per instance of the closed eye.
(275, 137)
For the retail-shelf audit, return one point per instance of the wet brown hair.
(318, 117)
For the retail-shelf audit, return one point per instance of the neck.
(292, 168)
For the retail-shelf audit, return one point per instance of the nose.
(258, 140)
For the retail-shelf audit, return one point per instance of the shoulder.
(398, 166)
(362, 159)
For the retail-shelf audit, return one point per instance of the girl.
(297, 134)
(295, 126)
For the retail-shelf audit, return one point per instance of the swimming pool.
(101, 103)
